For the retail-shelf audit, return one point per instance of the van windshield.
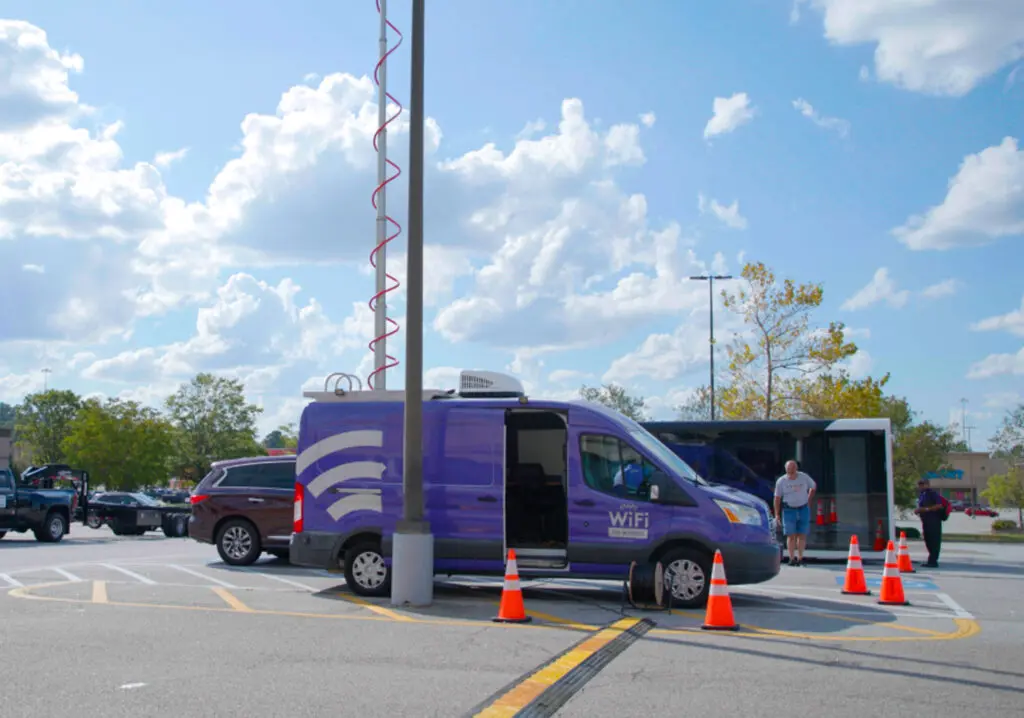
(666, 456)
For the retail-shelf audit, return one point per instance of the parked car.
(32, 504)
(981, 511)
(244, 508)
(133, 514)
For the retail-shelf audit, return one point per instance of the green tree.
(43, 421)
(836, 395)
(918, 449)
(697, 406)
(1008, 442)
(212, 421)
(616, 397)
(283, 437)
(1007, 491)
(120, 443)
(8, 414)
(784, 352)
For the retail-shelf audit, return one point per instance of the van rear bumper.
(315, 549)
(751, 563)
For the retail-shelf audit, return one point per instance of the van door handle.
(584, 502)
(254, 500)
(488, 499)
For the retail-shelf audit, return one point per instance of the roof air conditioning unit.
(489, 384)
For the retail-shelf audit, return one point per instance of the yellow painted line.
(379, 610)
(231, 599)
(99, 592)
(966, 628)
(527, 690)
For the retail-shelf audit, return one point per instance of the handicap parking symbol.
(910, 584)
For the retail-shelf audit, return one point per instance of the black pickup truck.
(30, 505)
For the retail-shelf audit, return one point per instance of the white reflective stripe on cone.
(511, 569)
(854, 562)
(512, 584)
(718, 589)
(718, 571)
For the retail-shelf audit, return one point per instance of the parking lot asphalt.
(142, 626)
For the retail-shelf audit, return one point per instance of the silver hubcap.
(57, 527)
(685, 579)
(94, 521)
(237, 542)
(368, 569)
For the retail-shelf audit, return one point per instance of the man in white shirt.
(794, 491)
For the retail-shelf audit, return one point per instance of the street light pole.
(46, 372)
(710, 279)
(412, 557)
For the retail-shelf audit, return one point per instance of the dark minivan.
(244, 507)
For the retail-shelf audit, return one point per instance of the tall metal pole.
(46, 372)
(412, 563)
(381, 309)
(710, 279)
(963, 419)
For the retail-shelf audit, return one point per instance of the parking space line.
(10, 581)
(67, 574)
(203, 576)
(283, 580)
(953, 606)
(544, 690)
(231, 599)
(379, 610)
(130, 574)
(907, 610)
(99, 592)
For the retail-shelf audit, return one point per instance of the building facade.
(968, 476)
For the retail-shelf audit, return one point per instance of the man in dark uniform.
(930, 509)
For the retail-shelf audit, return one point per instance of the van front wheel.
(687, 576)
(365, 571)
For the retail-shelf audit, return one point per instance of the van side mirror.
(655, 492)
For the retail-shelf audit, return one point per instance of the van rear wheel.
(687, 576)
(365, 571)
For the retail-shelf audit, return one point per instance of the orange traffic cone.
(892, 585)
(820, 520)
(719, 612)
(879, 538)
(855, 581)
(832, 517)
(512, 609)
(903, 555)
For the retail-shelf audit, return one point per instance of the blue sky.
(555, 251)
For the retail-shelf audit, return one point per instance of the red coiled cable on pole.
(390, 361)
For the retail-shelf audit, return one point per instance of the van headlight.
(740, 514)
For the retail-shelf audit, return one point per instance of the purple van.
(578, 490)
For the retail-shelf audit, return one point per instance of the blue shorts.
(796, 521)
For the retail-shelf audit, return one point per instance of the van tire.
(363, 561)
(698, 564)
(238, 543)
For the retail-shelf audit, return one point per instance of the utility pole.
(963, 421)
(412, 558)
(710, 279)
(46, 372)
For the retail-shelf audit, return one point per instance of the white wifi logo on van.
(336, 477)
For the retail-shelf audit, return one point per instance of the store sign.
(955, 474)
